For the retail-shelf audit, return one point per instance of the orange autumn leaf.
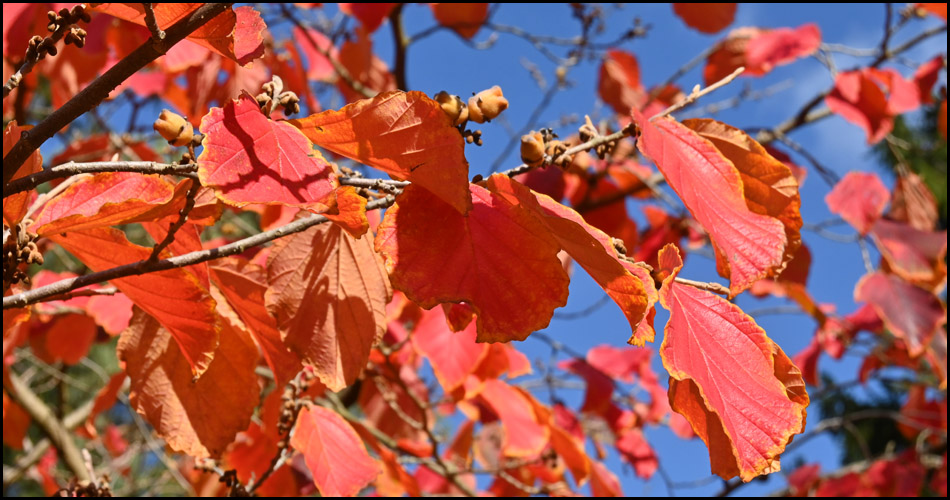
(70, 337)
(745, 421)
(175, 297)
(768, 185)
(244, 285)
(333, 452)
(348, 210)
(404, 134)
(365, 67)
(371, 15)
(587, 245)
(15, 205)
(453, 355)
(464, 18)
(165, 393)
(706, 17)
(936, 9)
(248, 158)
(236, 34)
(619, 81)
(105, 199)
(522, 433)
(497, 258)
(749, 246)
(328, 292)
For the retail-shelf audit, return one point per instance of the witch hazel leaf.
(587, 245)
(102, 200)
(497, 258)
(523, 434)
(749, 246)
(404, 134)
(706, 17)
(248, 158)
(164, 391)
(236, 34)
(909, 312)
(15, 205)
(781, 46)
(328, 292)
(915, 255)
(174, 297)
(768, 185)
(243, 286)
(333, 452)
(453, 355)
(859, 198)
(747, 417)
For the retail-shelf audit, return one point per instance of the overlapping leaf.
(14, 206)
(175, 297)
(453, 355)
(768, 185)
(759, 50)
(523, 435)
(497, 258)
(404, 134)
(915, 255)
(181, 409)
(334, 453)
(236, 34)
(248, 158)
(328, 292)
(749, 246)
(910, 313)
(747, 419)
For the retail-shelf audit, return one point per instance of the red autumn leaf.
(590, 247)
(859, 99)
(453, 355)
(768, 185)
(803, 479)
(404, 134)
(70, 338)
(371, 15)
(16, 421)
(749, 246)
(729, 54)
(926, 76)
(248, 158)
(523, 435)
(175, 297)
(365, 67)
(619, 82)
(497, 258)
(464, 18)
(15, 205)
(917, 256)
(328, 292)
(636, 451)
(903, 94)
(807, 360)
(165, 392)
(779, 47)
(319, 67)
(942, 119)
(327, 442)
(910, 313)
(244, 286)
(251, 456)
(600, 387)
(746, 421)
(706, 17)
(105, 199)
(603, 483)
(236, 34)
(859, 198)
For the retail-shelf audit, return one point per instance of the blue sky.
(443, 62)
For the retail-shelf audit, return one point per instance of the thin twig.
(72, 168)
(152, 24)
(593, 143)
(702, 285)
(697, 93)
(175, 226)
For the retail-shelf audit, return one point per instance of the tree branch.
(99, 89)
(72, 168)
(188, 259)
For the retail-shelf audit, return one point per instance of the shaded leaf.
(180, 408)
(328, 292)
(248, 158)
(498, 259)
(371, 15)
(859, 198)
(453, 355)
(404, 134)
(15, 205)
(917, 256)
(910, 313)
(523, 435)
(706, 17)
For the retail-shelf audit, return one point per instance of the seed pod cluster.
(174, 128)
(273, 95)
(486, 105)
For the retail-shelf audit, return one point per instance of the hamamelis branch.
(72, 168)
(593, 143)
(97, 91)
(697, 93)
(188, 259)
